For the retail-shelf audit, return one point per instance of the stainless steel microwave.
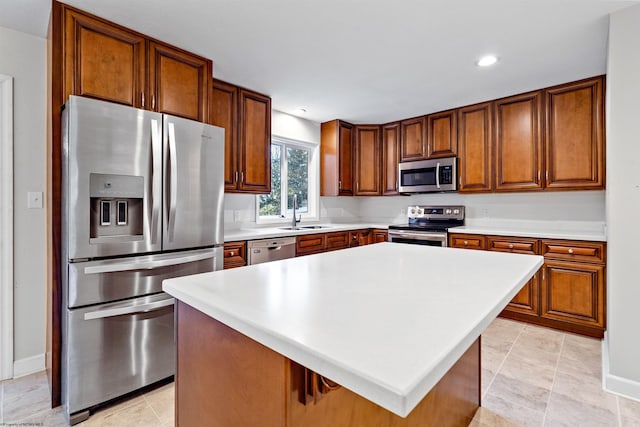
(428, 176)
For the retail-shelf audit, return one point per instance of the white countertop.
(386, 321)
(569, 230)
(277, 231)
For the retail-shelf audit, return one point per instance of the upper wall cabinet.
(103, 60)
(413, 139)
(336, 158)
(575, 135)
(390, 158)
(246, 119)
(518, 141)
(475, 146)
(367, 160)
(442, 134)
(178, 82)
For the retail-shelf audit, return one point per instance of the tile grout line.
(555, 373)
(152, 410)
(501, 364)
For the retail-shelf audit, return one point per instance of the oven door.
(418, 237)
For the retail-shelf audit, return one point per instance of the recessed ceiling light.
(486, 61)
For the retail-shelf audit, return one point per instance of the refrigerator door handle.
(146, 265)
(129, 309)
(173, 172)
(156, 186)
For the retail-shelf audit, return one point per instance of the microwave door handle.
(156, 164)
(173, 181)
(145, 265)
(438, 175)
(129, 309)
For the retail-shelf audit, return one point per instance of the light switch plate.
(34, 200)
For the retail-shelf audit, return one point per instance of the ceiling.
(367, 61)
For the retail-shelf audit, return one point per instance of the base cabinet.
(567, 293)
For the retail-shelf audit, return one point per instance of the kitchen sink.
(306, 227)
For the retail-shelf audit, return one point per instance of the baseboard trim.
(28, 365)
(615, 384)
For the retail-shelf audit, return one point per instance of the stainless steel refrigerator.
(142, 201)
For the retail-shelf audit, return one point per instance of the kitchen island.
(385, 334)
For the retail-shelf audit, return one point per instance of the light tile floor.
(531, 376)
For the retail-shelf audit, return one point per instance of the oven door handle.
(129, 309)
(419, 236)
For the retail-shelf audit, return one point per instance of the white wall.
(622, 345)
(23, 56)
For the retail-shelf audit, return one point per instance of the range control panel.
(435, 212)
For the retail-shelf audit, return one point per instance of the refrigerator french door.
(142, 201)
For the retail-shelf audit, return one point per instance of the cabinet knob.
(510, 245)
(466, 243)
(570, 251)
(231, 253)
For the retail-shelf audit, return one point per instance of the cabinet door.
(103, 61)
(575, 135)
(235, 254)
(337, 240)
(178, 82)
(311, 244)
(413, 139)
(223, 112)
(467, 241)
(390, 158)
(255, 142)
(573, 292)
(380, 236)
(475, 142)
(442, 134)
(345, 159)
(518, 139)
(367, 161)
(527, 300)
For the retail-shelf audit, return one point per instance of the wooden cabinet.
(475, 145)
(337, 240)
(518, 142)
(246, 119)
(359, 238)
(390, 158)
(254, 142)
(367, 160)
(442, 134)
(413, 139)
(467, 241)
(311, 244)
(178, 82)
(103, 61)
(380, 236)
(575, 135)
(569, 291)
(336, 158)
(527, 300)
(573, 284)
(235, 254)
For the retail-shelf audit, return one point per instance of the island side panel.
(224, 378)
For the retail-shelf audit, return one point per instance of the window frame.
(313, 211)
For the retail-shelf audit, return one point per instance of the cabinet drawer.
(310, 244)
(337, 240)
(380, 236)
(235, 254)
(574, 250)
(467, 241)
(513, 244)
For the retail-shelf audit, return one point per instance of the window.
(293, 171)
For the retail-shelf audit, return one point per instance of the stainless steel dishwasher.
(266, 250)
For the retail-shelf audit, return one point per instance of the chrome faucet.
(294, 221)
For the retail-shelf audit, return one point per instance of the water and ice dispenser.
(117, 207)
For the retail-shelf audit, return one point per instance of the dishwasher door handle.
(275, 248)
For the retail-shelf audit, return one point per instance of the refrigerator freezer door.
(96, 282)
(112, 161)
(193, 182)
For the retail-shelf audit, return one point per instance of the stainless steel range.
(427, 225)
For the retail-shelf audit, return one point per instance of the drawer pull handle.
(510, 245)
(570, 250)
